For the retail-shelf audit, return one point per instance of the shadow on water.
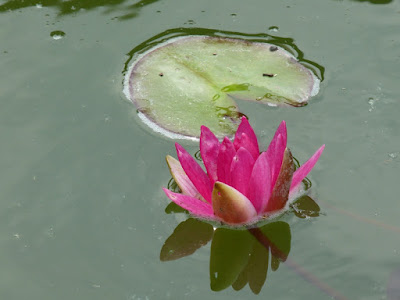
(74, 6)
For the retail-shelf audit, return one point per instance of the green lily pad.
(194, 80)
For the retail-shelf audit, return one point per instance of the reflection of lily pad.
(255, 272)
(192, 81)
(230, 253)
(189, 236)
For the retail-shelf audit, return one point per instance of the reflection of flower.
(237, 257)
(241, 185)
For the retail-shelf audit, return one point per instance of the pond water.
(82, 212)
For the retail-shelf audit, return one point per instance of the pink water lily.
(240, 184)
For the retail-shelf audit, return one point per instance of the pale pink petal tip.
(231, 206)
(303, 171)
(181, 179)
(193, 205)
(195, 173)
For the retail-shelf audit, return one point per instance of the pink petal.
(241, 167)
(193, 205)
(226, 153)
(246, 138)
(195, 173)
(275, 151)
(280, 193)
(259, 190)
(281, 130)
(209, 148)
(181, 179)
(230, 205)
(275, 155)
(246, 142)
(303, 171)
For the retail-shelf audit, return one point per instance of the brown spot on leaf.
(268, 75)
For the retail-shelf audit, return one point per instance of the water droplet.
(273, 28)
(57, 34)
(50, 233)
(371, 102)
(197, 156)
(107, 118)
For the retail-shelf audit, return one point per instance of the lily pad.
(194, 80)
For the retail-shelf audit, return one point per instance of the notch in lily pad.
(195, 80)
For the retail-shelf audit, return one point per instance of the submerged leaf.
(192, 81)
(306, 207)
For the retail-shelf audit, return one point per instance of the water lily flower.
(240, 185)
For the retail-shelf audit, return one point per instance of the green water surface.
(81, 205)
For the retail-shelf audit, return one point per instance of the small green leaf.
(306, 207)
